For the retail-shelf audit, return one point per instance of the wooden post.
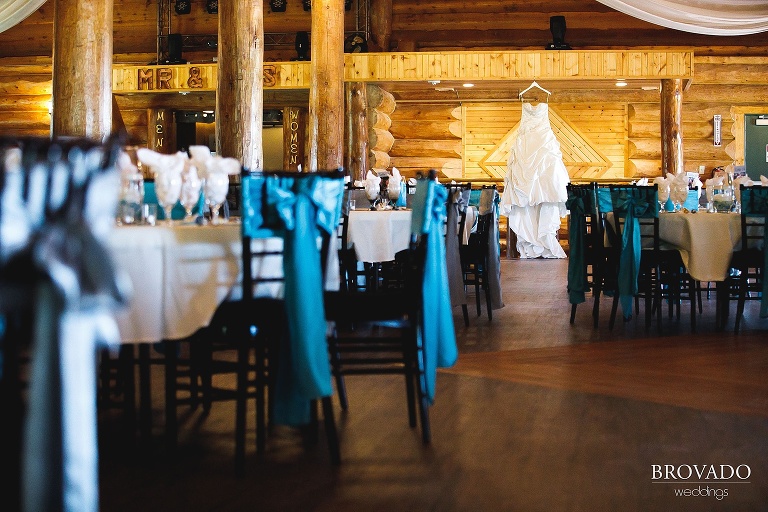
(161, 135)
(326, 90)
(294, 130)
(82, 68)
(358, 134)
(671, 126)
(381, 25)
(240, 92)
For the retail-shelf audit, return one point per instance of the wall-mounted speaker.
(557, 27)
(175, 46)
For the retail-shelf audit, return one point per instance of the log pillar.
(240, 91)
(82, 68)
(294, 130)
(326, 90)
(671, 126)
(357, 142)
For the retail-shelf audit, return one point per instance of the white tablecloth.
(180, 274)
(706, 241)
(379, 235)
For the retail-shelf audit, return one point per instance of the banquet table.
(378, 235)
(706, 241)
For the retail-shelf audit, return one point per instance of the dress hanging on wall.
(535, 186)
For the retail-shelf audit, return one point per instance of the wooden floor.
(537, 415)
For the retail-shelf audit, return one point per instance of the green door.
(756, 145)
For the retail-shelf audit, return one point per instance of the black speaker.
(175, 45)
(302, 45)
(557, 27)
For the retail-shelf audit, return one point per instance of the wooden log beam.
(239, 97)
(82, 68)
(672, 126)
(381, 25)
(326, 91)
(358, 134)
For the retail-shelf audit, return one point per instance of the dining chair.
(402, 331)
(749, 261)
(586, 258)
(276, 329)
(480, 255)
(646, 269)
(456, 207)
(58, 293)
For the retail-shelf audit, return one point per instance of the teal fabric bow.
(438, 337)
(577, 268)
(632, 205)
(296, 209)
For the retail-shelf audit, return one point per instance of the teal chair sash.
(297, 209)
(438, 337)
(754, 202)
(577, 269)
(632, 203)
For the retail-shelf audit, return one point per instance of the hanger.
(534, 84)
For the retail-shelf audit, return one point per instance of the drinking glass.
(190, 195)
(663, 197)
(216, 188)
(168, 191)
(679, 193)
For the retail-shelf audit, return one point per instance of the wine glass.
(190, 194)
(168, 191)
(216, 187)
(679, 193)
(663, 196)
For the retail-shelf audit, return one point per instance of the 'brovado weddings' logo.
(709, 472)
(700, 480)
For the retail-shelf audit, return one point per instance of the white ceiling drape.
(710, 17)
(15, 11)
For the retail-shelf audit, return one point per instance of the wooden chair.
(476, 256)
(586, 262)
(382, 331)
(456, 207)
(748, 282)
(271, 335)
(660, 273)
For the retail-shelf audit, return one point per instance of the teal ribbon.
(754, 202)
(632, 205)
(577, 268)
(297, 209)
(402, 198)
(438, 337)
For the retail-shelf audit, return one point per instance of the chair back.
(585, 240)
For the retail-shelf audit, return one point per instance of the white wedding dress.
(535, 186)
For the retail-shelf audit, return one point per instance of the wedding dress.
(535, 186)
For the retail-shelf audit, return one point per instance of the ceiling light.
(621, 83)
(468, 85)
(433, 82)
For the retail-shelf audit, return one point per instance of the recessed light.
(621, 83)
(468, 85)
(433, 82)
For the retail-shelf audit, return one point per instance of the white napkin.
(642, 182)
(372, 183)
(663, 185)
(393, 187)
(678, 190)
(737, 185)
(698, 185)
